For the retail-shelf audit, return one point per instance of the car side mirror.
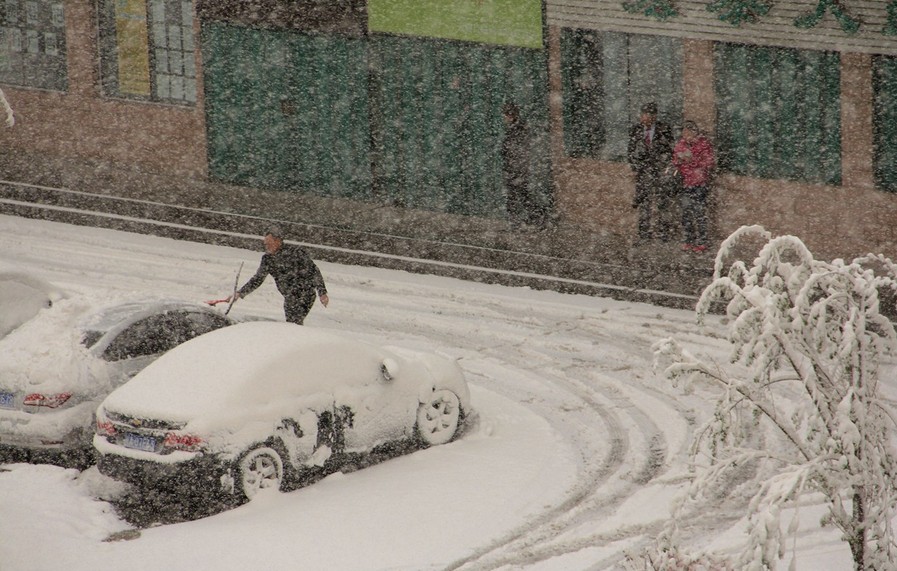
(389, 369)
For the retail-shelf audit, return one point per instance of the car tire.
(439, 418)
(258, 469)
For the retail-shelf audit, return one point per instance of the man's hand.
(234, 297)
(324, 299)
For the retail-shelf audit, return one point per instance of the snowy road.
(574, 456)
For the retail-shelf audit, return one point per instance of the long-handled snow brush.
(233, 296)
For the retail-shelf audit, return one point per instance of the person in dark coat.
(515, 156)
(297, 277)
(649, 152)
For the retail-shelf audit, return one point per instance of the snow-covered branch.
(795, 321)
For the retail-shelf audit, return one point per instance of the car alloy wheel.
(259, 469)
(438, 418)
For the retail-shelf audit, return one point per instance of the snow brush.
(233, 297)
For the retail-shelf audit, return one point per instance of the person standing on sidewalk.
(296, 276)
(649, 150)
(694, 159)
(515, 160)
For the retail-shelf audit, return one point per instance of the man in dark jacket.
(297, 277)
(650, 152)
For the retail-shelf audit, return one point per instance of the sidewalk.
(562, 257)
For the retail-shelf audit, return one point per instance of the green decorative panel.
(885, 122)
(437, 125)
(413, 122)
(778, 113)
(286, 110)
(583, 87)
(606, 77)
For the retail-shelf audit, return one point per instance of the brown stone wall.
(698, 102)
(81, 123)
(856, 120)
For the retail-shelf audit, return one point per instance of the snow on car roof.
(244, 365)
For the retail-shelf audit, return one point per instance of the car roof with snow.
(247, 364)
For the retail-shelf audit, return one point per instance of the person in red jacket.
(693, 158)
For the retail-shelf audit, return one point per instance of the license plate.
(137, 442)
(7, 400)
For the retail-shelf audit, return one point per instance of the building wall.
(82, 123)
(844, 220)
(834, 221)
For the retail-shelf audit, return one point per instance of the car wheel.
(438, 418)
(259, 469)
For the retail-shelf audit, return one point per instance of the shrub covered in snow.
(808, 344)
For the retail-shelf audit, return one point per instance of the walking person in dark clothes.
(649, 152)
(297, 277)
(515, 155)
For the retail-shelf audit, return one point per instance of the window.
(606, 77)
(884, 122)
(32, 44)
(778, 113)
(188, 325)
(147, 49)
(146, 337)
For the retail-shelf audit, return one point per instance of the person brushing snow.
(297, 277)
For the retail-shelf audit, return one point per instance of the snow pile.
(47, 352)
(22, 297)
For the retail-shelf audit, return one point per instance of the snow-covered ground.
(574, 457)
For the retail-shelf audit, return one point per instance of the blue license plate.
(137, 442)
(7, 400)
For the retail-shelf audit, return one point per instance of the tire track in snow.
(558, 355)
(625, 466)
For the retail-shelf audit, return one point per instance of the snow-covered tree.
(808, 343)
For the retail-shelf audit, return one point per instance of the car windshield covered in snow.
(267, 404)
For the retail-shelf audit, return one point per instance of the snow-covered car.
(22, 296)
(59, 365)
(266, 405)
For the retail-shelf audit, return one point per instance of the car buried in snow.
(60, 364)
(272, 405)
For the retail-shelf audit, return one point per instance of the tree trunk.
(858, 539)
